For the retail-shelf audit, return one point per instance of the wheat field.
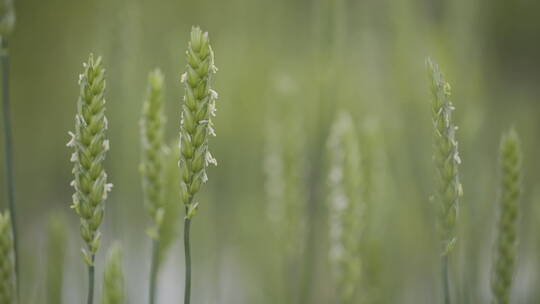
(249, 151)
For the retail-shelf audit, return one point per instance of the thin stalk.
(445, 280)
(91, 275)
(8, 146)
(187, 252)
(154, 271)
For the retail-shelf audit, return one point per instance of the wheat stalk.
(7, 23)
(152, 143)
(286, 194)
(55, 259)
(113, 278)
(447, 161)
(90, 145)
(8, 290)
(195, 129)
(346, 207)
(510, 192)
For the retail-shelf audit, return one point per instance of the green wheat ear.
(196, 127)
(7, 17)
(152, 142)
(446, 157)
(7, 261)
(55, 258)
(510, 192)
(346, 207)
(90, 145)
(447, 161)
(113, 278)
(197, 112)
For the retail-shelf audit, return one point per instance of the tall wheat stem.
(154, 271)
(8, 146)
(91, 275)
(196, 127)
(187, 253)
(445, 279)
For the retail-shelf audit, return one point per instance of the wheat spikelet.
(446, 158)
(90, 145)
(197, 112)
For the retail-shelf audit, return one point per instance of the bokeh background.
(280, 61)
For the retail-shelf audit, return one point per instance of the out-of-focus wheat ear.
(446, 158)
(346, 208)
(56, 253)
(7, 261)
(152, 149)
(113, 278)
(7, 18)
(509, 195)
(171, 196)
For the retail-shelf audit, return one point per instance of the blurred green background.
(284, 60)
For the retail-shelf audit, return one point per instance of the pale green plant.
(447, 160)
(7, 261)
(90, 145)
(284, 169)
(286, 190)
(377, 188)
(509, 196)
(113, 278)
(152, 145)
(346, 208)
(171, 196)
(56, 253)
(195, 128)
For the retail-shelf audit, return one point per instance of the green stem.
(154, 271)
(91, 275)
(8, 145)
(445, 280)
(187, 251)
